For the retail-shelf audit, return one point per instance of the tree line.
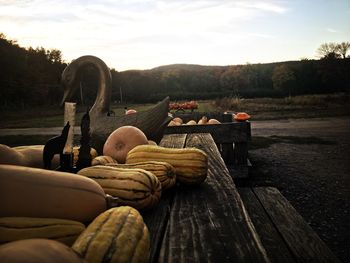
(31, 76)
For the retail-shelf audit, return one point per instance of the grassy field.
(260, 109)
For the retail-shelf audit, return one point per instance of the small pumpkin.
(241, 116)
(122, 140)
(178, 120)
(191, 122)
(203, 120)
(213, 121)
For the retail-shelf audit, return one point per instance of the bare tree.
(343, 48)
(328, 50)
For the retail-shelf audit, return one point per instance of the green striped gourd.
(118, 235)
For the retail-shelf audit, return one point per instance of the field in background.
(260, 109)
(307, 106)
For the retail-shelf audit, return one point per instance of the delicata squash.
(133, 187)
(191, 164)
(118, 235)
(164, 171)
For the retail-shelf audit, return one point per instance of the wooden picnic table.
(210, 223)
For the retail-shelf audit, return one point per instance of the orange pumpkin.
(241, 116)
(122, 140)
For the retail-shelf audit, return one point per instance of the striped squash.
(102, 160)
(165, 172)
(118, 235)
(134, 187)
(18, 228)
(191, 164)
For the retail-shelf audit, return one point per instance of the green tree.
(283, 79)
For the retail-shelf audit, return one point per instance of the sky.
(143, 34)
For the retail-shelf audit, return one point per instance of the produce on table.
(191, 164)
(29, 155)
(203, 120)
(178, 120)
(213, 121)
(191, 122)
(122, 140)
(241, 116)
(134, 187)
(34, 192)
(18, 228)
(93, 154)
(102, 160)
(118, 235)
(38, 251)
(164, 171)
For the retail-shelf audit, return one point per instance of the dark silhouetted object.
(55, 146)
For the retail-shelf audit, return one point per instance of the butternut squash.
(133, 187)
(191, 164)
(165, 172)
(34, 192)
(18, 228)
(38, 250)
(28, 155)
(118, 235)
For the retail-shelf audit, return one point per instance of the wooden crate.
(231, 138)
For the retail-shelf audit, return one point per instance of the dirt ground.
(308, 160)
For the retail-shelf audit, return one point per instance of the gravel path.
(308, 160)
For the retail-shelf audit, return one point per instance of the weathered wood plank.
(302, 241)
(208, 222)
(271, 239)
(221, 133)
(157, 218)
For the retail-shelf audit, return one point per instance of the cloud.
(331, 30)
(144, 30)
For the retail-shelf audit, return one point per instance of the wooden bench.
(232, 138)
(209, 222)
(283, 232)
(204, 223)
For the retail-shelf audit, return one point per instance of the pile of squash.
(52, 212)
(177, 121)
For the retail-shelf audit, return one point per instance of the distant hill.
(191, 81)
